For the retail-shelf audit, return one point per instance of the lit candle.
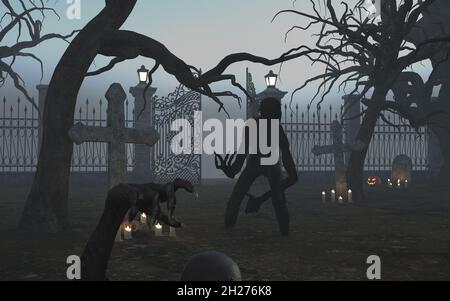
(143, 218)
(390, 183)
(333, 196)
(406, 183)
(399, 183)
(173, 232)
(324, 197)
(127, 232)
(350, 196)
(158, 229)
(341, 200)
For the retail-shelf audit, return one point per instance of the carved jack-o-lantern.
(373, 181)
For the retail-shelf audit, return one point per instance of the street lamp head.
(271, 79)
(143, 75)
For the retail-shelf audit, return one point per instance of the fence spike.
(87, 101)
(4, 99)
(18, 99)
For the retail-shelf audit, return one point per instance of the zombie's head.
(270, 108)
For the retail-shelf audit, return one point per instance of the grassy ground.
(409, 231)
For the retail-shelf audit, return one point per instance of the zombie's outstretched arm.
(230, 168)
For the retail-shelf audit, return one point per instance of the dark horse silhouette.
(131, 198)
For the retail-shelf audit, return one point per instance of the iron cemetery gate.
(180, 104)
(20, 131)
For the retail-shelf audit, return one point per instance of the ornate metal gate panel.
(180, 104)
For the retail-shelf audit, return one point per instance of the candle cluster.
(399, 184)
(339, 199)
(141, 224)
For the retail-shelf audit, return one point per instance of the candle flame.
(324, 193)
(349, 191)
(144, 215)
(128, 228)
(332, 191)
(158, 226)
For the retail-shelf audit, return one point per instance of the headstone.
(401, 169)
(211, 266)
(115, 134)
(338, 148)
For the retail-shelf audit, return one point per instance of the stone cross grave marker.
(338, 148)
(115, 134)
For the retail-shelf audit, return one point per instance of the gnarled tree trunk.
(46, 207)
(355, 170)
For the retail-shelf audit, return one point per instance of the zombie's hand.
(226, 164)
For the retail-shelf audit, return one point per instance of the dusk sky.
(201, 32)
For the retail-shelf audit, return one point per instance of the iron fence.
(19, 139)
(308, 128)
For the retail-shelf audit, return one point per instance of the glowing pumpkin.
(373, 181)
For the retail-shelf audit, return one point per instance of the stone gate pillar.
(434, 153)
(42, 90)
(352, 109)
(143, 169)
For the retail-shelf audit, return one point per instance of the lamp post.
(271, 91)
(271, 79)
(143, 75)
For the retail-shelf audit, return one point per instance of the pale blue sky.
(201, 32)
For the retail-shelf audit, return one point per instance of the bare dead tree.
(368, 55)
(22, 24)
(46, 207)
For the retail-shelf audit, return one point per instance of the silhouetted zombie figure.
(270, 110)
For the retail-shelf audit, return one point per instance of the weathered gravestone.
(116, 135)
(211, 266)
(401, 170)
(338, 148)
